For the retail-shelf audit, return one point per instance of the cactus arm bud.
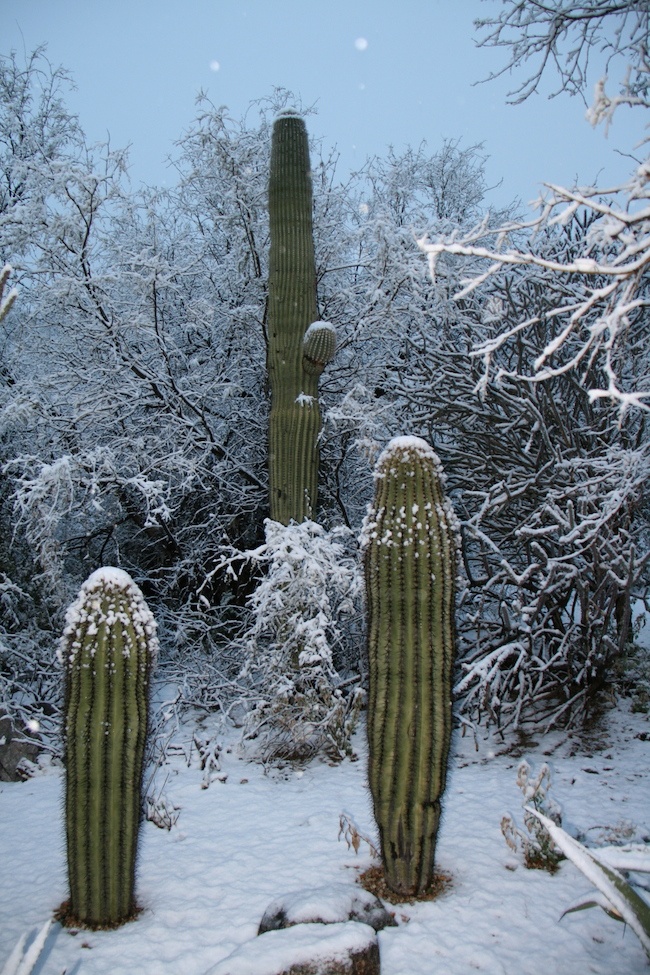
(318, 347)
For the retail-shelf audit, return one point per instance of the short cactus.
(410, 541)
(299, 346)
(108, 650)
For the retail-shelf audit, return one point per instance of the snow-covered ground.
(252, 837)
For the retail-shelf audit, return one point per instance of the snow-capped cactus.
(108, 651)
(299, 346)
(318, 347)
(410, 543)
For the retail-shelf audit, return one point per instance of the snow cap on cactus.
(104, 580)
(405, 444)
(395, 451)
(318, 346)
(287, 113)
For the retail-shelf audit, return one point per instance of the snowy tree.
(549, 489)
(300, 650)
(568, 36)
(605, 310)
(542, 398)
(132, 414)
(36, 133)
(380, 297)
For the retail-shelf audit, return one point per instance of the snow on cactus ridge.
(410, 559)
(408, 444)
(107, 580)
(288, 113)
(395, 452)
(109, 648)
(320, 327)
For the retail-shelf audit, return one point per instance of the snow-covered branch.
(563, 37)
(603, 287)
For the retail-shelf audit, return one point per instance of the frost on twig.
(540, 853)
(602, 292)
(561, 37)
(599, 322)
(350, 832)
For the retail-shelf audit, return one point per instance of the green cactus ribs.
(410, 544)
(108, 651)
(299, 345)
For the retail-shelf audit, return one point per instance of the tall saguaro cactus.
(410, 541)
(108, 648)
(299, 346)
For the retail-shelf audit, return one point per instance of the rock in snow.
(306, 949)
(326, 905)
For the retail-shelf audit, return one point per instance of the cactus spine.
(299, 346)
(108, 650)
(410, 564)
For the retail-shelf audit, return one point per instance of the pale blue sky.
(381, 72)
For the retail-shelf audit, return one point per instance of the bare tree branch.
(563, 36)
